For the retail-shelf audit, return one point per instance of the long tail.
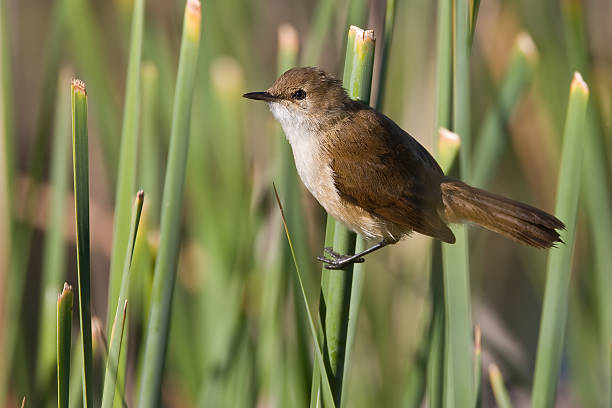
(510, 218)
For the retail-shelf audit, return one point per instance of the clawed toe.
(330, 251)
(337, 260)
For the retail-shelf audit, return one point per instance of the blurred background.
(238, 335)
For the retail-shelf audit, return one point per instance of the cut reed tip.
(477, 339)
(288, 39)
(193, 19)
(448, 139)
(67, 288)
(525, 44)
(78, 86)
(494, 372)
(448, 146)
(140, 195)
(578, 83)
(361, 34)
(193, 6)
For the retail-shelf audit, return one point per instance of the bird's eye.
(299, 94)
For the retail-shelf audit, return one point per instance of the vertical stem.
(128, 154)
(167, 257)
(558, 271)
(336, 286)
(81, 202)
(64, 341)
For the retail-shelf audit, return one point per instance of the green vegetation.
(209, 295)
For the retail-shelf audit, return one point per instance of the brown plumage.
(377, 179)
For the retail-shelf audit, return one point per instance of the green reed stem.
(167, 257)
(386, 51)
(436, 378)
(597, 197)
(325, 390)
(128, 153)
(558, 271)
(116, 337)
(492, 142)
(64, 342)
(499, 389)
(336, 286)
(80, 154)
(459, 361)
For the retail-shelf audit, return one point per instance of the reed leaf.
(336, 286)
(499, 389)
(126, 173)
(326, 392)
(64, 342)
(116, 338)
(598, 199)
(459, 364)
(558, 271)
(167, 257)
(80, 154)
(7, 172)
(436, 365)
(491, 142)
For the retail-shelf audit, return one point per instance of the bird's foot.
(338, 261)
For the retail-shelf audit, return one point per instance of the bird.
(379, 181)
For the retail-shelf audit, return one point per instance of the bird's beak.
(260, 96)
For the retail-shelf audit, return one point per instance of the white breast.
(315, 173)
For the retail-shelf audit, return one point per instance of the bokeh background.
(238, 334)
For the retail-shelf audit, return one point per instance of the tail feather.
(520, 222)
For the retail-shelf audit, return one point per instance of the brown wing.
(390, 174)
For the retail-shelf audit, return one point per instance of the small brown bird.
(378, 180)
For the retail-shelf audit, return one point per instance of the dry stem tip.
(288, 38)
(578, 83)
(78, 86)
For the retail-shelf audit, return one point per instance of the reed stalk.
(116, 337)
(596, 192)
(64, 342)
(7, 172)
(492, 142)
(558, 271)
(323, 392)
(336, 286)
(167, 257)
(437, 362)
(499, 389)
(126, 173)
(80, 154)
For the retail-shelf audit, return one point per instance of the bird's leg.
(339, 261)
